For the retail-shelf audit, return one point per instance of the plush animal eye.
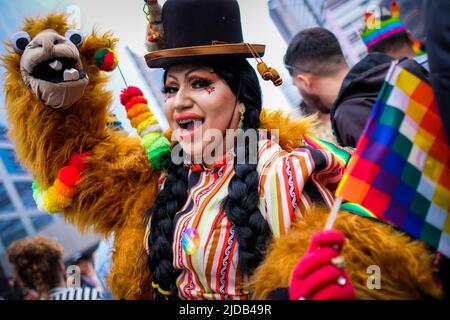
(19, 41)
(75, 36)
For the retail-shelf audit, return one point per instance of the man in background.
(317, 66)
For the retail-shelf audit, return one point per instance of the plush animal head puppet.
(55, 88)
(51, 66)
(54, 60)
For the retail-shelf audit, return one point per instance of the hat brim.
(167, 57)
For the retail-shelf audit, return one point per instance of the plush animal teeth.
(71, 75)
(56, 65)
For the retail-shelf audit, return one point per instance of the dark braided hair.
(241, 205)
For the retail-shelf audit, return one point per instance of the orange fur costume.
(119, 185)
(405, 264)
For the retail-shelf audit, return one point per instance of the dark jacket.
(359, 92)
(438, 47)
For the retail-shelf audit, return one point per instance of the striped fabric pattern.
(84, 293)
(343, 155)
(205, 245)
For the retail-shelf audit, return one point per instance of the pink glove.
(316, 277)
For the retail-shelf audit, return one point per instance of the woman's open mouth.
(57, 70)
(190, 126)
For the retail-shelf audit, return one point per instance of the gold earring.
(241, 121)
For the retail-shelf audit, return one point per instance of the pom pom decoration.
(37, 195)
(78, 160)
(143, 120)
(59, 196)
(135, 100)
(69, 175)
(106, 60)
(128, 93)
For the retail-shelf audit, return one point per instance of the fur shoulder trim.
(290, 131)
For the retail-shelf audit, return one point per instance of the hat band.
(222, 49)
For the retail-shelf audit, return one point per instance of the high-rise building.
(19, 216)
(346, 19)
(343, 17)
(292, 16)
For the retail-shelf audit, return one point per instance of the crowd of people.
(209, 226)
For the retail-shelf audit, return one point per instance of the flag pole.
(333, 214)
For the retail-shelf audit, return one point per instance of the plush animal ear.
(75, 36)
(19, 41)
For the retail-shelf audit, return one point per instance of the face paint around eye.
(210, 89)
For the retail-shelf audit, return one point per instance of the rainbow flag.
(400, 170)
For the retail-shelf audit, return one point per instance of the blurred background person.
(38, 264)
(317, 66)
(88, 276)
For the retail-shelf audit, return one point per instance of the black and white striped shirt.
(85, 293)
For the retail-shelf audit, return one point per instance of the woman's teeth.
(190, 124)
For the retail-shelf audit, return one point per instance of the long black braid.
(241, 205)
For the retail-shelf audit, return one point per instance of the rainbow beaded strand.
(60, 195)
(144, 121)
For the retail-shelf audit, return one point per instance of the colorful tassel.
(59, 196)
(418, 48)
(395, 8)
(367, 19)
(155, 31)
(153, 35)
(141, 118)
(106, 60)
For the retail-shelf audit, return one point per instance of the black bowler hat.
(206, 29)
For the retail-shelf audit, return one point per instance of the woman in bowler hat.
(211, 222)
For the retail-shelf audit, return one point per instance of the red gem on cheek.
(210, 90)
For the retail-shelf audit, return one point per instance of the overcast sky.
(126, 19)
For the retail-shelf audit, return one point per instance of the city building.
(346, 19)
(291, 16)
